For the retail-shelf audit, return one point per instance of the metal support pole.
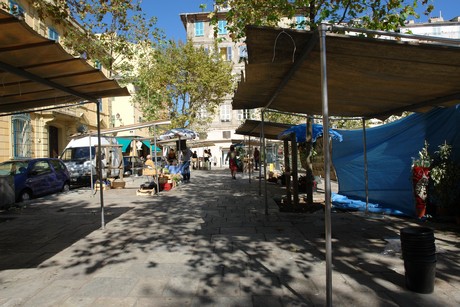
(327, 165)
(366, 181)
(99, 157)
(294, 171)
(261, 154)
(287, 172)
(132, 161)
(155, 157)
(250, 162)
(265, 164)
(91, 167)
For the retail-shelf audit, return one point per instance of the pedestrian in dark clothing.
(256, 158)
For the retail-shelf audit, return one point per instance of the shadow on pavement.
(32, 233)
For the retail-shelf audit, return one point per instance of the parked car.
(36, 177)
(130, 162)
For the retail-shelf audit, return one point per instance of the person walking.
(194, 160)
(209, 159)
(256, 158)
(206, 157)
(231, 157)
(186, 155)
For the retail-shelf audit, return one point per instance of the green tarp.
(126, 142)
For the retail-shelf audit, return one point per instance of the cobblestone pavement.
(207, 243)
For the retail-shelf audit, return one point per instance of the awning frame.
(275, 78)
(35, 74)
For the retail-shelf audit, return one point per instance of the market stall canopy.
(254, 128)
(199, 144)
(367, 77)
(36, 72)
(248, 142)
(115, 130)
(181, 133)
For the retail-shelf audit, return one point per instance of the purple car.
(36, 177)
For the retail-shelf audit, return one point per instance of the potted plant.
(445, 174)
(420, 179)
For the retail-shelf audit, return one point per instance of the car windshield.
(78, 153)
(13, 167)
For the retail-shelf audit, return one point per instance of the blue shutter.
(243, 53)
(52, 34)
(229, 53)
(222, 27)
(199, 28)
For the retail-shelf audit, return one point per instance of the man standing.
(256, 158)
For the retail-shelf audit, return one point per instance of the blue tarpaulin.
(301, 133)
(390, 149)
(343, 202)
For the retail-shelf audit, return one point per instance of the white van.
(80, 158)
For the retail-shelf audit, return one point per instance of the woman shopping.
(231, 157)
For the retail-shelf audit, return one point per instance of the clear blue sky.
(168, 11)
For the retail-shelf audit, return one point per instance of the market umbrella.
(181, 133)
(301, 133)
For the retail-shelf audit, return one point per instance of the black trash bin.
(419, 254)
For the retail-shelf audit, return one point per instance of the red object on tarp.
(420, 177)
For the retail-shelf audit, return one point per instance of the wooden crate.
(118, 184)
(149, 171)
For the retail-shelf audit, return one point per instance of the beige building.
(126, 112)
(45, 133)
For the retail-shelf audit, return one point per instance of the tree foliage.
(183, 83)
(102, 30)
(283, 118)
(371, 14)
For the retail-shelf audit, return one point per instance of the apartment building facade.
(46, 133)
(435, 26)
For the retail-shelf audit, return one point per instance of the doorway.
(53, 144)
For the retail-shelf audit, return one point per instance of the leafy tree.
(283, 118)
(106, 32)
(371, 14)
(184, 84)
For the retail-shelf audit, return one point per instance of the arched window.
(21, 136)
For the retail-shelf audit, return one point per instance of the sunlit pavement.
(207, 243)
